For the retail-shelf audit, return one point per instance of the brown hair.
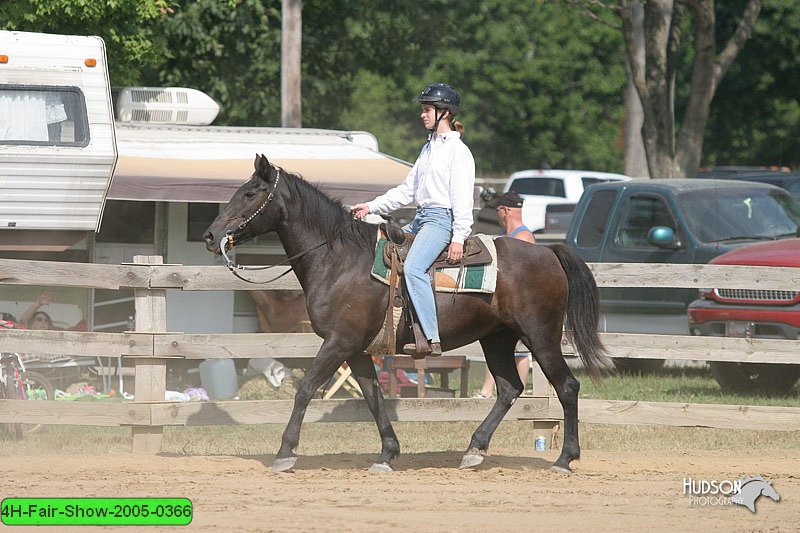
(454, 124)
(46, 317)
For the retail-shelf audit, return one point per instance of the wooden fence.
(150, 346)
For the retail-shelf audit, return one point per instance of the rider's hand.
(359, 210)
(455, 252)
(46, 298)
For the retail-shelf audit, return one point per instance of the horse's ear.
(262, 166)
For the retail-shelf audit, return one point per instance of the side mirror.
(663, 237)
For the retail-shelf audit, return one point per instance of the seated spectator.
(40, 320)
(32, 318)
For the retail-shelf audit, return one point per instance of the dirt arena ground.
(609, 491)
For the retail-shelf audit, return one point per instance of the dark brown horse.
(536, 285)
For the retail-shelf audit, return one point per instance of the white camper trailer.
(173, 172)
(57, 146)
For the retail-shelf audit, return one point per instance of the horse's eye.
(250, 195)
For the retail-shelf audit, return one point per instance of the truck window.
(43, 116)
(640, 215)
(595, 220)
(729, 214)
(539, 186)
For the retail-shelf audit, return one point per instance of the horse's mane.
(328, 216)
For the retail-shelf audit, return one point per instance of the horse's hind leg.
(364, 372)
(328, 359)
(546, 349)
(498, 350)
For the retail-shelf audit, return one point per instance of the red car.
(758, 313)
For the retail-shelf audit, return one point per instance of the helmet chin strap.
(436, 122)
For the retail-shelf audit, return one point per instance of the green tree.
(755, 116)
(541, 86)
(131, 40)
(229, 50)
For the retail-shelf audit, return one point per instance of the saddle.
(394, 254)
(475, 251)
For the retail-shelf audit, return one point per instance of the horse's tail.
(583, 310)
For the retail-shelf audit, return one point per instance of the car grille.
(762, 295)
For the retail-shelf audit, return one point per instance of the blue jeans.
(434, 229)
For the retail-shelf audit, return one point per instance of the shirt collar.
(446, 136)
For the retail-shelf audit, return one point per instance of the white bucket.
(218, 377)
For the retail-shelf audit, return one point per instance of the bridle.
(227, 241)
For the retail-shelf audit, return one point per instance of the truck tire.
(638, 366)
(759, 378)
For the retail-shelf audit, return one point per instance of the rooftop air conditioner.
(165, 105)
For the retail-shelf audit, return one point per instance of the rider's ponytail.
(456, 125)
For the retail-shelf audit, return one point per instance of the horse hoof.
(284, 465)
(471, 460)
(380, 468)
(561, 469)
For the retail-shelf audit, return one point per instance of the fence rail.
(215, 278)
(150, 346)
(305, 345)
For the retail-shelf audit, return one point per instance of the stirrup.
(411, 349)
(433, 349)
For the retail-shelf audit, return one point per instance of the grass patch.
(682, 385)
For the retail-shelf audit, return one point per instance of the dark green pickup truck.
(671, 221)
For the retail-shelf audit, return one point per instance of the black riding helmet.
(442, 97)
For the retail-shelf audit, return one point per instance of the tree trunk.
(635, 158)
(652, 77)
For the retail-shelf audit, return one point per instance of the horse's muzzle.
(211, 242)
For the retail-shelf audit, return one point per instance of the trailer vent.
(151, 96)
(169, 105)
(156, 116)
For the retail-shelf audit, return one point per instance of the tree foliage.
(755, 116)
(229, 50)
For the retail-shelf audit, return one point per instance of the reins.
(228, 240)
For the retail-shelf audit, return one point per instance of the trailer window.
(43, 116)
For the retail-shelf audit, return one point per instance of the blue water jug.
(218, 377)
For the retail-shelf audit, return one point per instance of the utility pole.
(291, 46)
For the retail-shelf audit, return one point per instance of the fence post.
(150, 380)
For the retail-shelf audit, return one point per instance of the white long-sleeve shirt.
(442, 176)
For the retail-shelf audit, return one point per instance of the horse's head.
(769, 491)
(253, 210)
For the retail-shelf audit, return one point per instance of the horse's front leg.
(331, 355)
(364, 372)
